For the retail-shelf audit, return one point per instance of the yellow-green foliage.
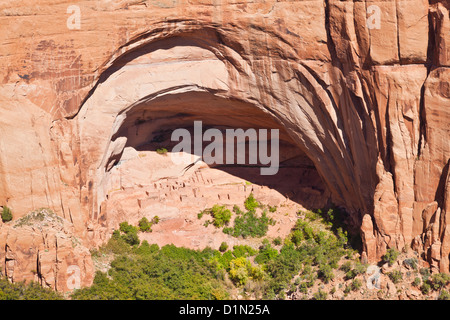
(241, 270)
(311, 252)
(220, 214)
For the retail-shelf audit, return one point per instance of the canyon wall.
(361, 88)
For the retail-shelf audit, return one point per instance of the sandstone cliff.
(360, 89)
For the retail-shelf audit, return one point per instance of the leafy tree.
(266, 253)
(249, 225)
(240, 268)
(129, 235)
(243, 251)
(251, 203)
(220, 214)
(168, 273)
(145, 225)
(155, 220)
(146, 249)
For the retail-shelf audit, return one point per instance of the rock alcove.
(169, 84)
(142, 179)
(365, 108)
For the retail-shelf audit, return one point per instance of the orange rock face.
(360, 92)
(42, 247)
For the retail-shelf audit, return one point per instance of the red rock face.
(359, 90)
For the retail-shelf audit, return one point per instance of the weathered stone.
(361, 107)
(42, 247)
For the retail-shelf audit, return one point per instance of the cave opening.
(150, 90)
(141, 178)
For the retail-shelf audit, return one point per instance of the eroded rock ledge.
(364, 109)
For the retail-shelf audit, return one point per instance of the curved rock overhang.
(316, 68)
(196, 61)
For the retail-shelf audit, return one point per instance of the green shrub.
(125, 227)
(146, 249)
(116, 244)
(356, 284)
(302, 231)
(243, 251)
(237, 210)
(240, 270)
(312, 216)
(129, 233)
(249, 225)
(266, 253)
(223, 247)
(425, 288)
(326, 273)
(347, 290)
(228, 230)
(277, 241)
(359, 269)
(396, 276)
(6, 214)
(425, 272)
(145, 225)
(346, 267)
(283, 268)
(416, 282)
(131, 238)
(161, 151)
(411, 262)
(221, 262)
(220, 214)
(320, 295)
(439, 280)
(444, 295)
(155, 220)
(391, 256)
(250, 203)
(166, 274)
(303, 288)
